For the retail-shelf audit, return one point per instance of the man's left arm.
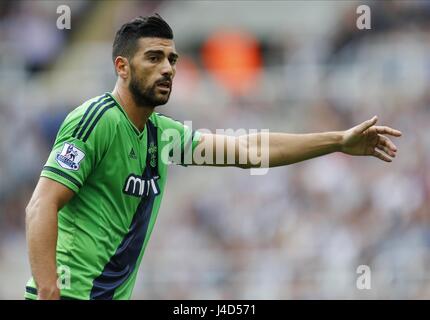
(278, 149)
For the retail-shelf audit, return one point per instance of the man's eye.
(173, 61)
(153, 58)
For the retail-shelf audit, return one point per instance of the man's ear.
(122, 67)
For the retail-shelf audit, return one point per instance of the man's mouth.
(164, 84)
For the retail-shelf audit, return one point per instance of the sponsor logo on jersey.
(69, 157)
(138, 186)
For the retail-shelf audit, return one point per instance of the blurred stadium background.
(299, 232)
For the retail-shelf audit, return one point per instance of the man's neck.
(137, 114)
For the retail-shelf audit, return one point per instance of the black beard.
(143, 98)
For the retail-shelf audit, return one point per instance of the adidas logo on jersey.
(132, 154)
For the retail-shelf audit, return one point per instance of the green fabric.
(107, 149)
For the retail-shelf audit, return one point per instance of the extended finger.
(388, 130)
(381, 156)
(386, 149)
(385, 141)
(366, 124)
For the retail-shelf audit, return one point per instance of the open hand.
(366, 139)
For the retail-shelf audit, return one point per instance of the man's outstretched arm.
(284, 148)
(41, 231)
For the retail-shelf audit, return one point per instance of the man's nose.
(167, 68)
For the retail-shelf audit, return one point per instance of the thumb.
(366, 124)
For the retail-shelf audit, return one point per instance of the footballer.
(94, 207)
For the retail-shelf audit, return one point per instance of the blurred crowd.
(297, 232)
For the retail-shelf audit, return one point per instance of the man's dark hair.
(125, 43)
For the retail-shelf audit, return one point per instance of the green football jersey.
(118, 175)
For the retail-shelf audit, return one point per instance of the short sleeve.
(80, 145)
(182, 139)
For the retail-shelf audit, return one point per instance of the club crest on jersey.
(69, 157)
(153, 154)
